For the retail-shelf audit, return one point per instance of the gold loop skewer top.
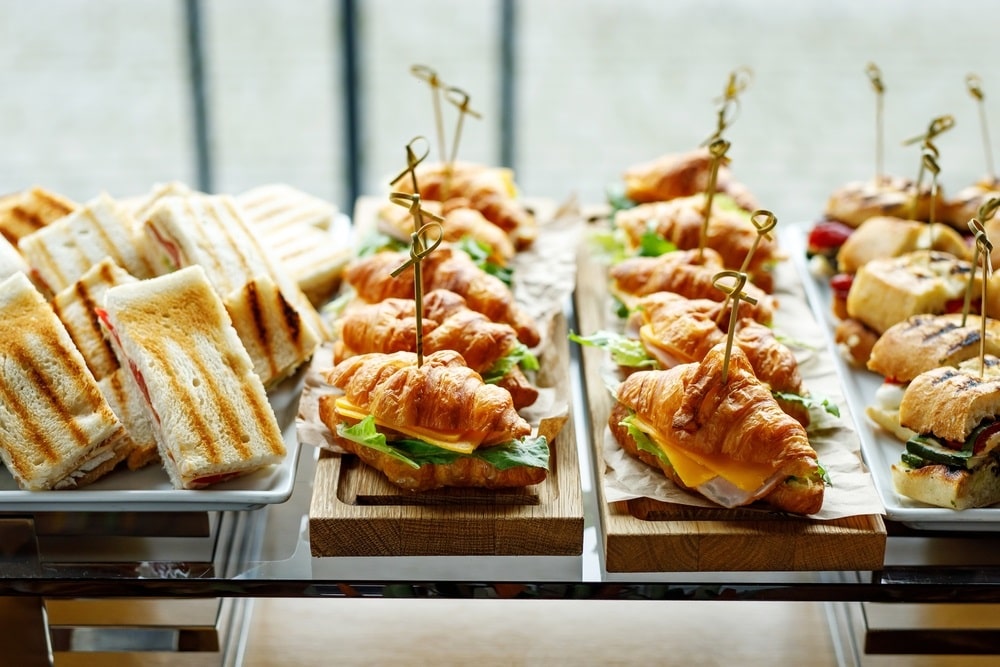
(763, 221)
(875, 76)
(974, 85)
(717, 149)
(735, 293)
(937, 126)
(986, 211)
(983, 251)
(739, 80)
(729, 104)
(412, 160)
(419, 249)
(425, 73)
(411, 202)
(460, 99)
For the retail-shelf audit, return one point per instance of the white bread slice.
(141, 206)
(210, 415)
(75, 307)
(56, 428)
(273, 332)
(60, 253)
(10, 260)
(279, 206)
(211, 231)
(24, 213)
(948, 487)
(129, 407)
(303, 234)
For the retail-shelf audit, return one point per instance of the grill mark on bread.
(260, 325)
(91, 307)
(217, 214)
(224, 408)
(107, 243)
(292, 320)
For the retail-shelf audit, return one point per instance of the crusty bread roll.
(950, 402)
(893, 196)
(945, 486)
(923, 342)
(884, 236)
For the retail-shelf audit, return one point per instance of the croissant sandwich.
(954, 460)
(445, 268)
(728, 441)
(489, 348)
(431, 426)
(681, 175)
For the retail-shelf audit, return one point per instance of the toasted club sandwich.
(727, 440)
(56, 429)
(275, 321)
(11, 260)
(954, 460)
(23, 213)
(210, 415)
(431, 426)
(61, 252)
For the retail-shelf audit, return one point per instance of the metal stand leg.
(23, 629)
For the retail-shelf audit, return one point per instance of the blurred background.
(117, 95)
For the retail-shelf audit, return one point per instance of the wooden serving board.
(646, 535)
(356, 512)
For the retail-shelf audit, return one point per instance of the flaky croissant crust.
(738, 419)
(443, 395)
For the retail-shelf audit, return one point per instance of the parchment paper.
(852, 492)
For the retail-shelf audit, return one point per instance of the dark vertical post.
(508, 81)
(199, 95)
(349, 82)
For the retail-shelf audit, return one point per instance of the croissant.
(445, 268)
(682, 175)
(443, 395)
(459, 222)
(680, 221)
(727, 440)
(681, 273)
(489, 190)
(675, 335)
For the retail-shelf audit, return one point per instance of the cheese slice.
(696, 469)
(453, 442)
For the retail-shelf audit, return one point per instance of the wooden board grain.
(356, 512)
(645, 535)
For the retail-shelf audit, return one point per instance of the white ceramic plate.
(880, 449)
(150, 490)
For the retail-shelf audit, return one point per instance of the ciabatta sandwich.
(210, 415)
(61, 252)
(954, 460)
(919, 344)
(433, 425)
(727, 440)
(57, 430)
(892, 196)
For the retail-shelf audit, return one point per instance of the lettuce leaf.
(643, 441)
(377, 242)
(527, 451)
(520, 355)
(809, 401)
(480, 253)
(624, 351)
(651, 244)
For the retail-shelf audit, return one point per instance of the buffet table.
(52, 560)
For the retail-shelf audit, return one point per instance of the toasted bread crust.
(924, 342)
(948, 487)
(950, 402)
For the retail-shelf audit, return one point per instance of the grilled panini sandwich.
(63, 251)
(304, 234)
(210, 416)
(954, 460)
(24, 213)
(75, 307)
(10, 260)
(275, 321)
(56, 429)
